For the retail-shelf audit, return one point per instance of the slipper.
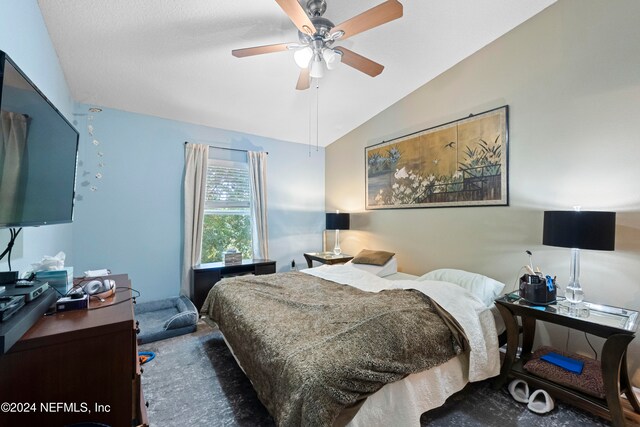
(540, 402)
(519, 391)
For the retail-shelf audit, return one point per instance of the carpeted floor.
(195, 381)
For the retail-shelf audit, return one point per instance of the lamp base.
(574, 293)
(336, 248)
(573, 309)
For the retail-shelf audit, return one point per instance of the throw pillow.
(367, 256)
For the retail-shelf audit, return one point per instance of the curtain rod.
(226, 148)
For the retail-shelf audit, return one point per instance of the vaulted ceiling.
(172, 59)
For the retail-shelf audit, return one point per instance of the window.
(227, 215)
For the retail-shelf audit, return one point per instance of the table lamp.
(337, 221)
(579, 230)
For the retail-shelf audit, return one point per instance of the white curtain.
(258, 179)
(13, 139)
(195, 186)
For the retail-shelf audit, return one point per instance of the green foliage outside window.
(227, 217)
(226, 231)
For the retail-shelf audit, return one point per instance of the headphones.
(101, 289)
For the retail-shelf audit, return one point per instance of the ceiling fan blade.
(259, 50)
(303, 80)
(359, 62)
(297, 15)
(381, 14)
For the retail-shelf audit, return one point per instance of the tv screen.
(38, 151)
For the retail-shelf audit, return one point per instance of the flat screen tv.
(38, 152)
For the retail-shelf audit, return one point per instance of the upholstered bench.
(165, 318)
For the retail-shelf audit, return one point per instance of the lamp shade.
(580, 229)
(332, 58)
(317, 69)
(303, 56)
(338, 221)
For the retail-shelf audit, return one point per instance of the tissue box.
(61, 280)
(232, 258)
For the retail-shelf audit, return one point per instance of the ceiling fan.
(318, 34)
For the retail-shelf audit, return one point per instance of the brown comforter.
(312, 348)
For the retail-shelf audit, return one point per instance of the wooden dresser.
(76, 366)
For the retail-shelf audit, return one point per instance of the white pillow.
(387, 269)
(483, 287)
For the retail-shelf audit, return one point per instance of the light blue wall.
(24, 37)
(132, 222)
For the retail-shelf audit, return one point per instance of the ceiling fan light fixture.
(332, 57)
(317, 70)
(316, 35)
(303, 56)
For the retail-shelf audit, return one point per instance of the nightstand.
(326, 258)
(616, 325)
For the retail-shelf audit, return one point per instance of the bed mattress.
(401, 402)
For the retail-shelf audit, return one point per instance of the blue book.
(571, 365)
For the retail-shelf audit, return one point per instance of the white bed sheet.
(497, 317)
(401, 403)
(416, 394)
(401, 276)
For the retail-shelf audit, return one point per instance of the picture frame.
(461, 163)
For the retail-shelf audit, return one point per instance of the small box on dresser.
(232, 258)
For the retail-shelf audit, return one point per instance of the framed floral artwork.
(460, 163)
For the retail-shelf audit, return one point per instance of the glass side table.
(326, 258)
(616, 325)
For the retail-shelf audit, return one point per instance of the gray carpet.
(195, 381)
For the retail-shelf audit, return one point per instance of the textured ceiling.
(172, 59)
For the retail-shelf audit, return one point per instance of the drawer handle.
(141, 371)
(137, 323)
(137, 331)
(146, 403)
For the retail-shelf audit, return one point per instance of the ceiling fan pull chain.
(310, 123)
(313, 94)
(317, 109)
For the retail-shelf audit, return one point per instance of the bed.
(313, 361)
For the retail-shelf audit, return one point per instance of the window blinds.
(227, 186)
